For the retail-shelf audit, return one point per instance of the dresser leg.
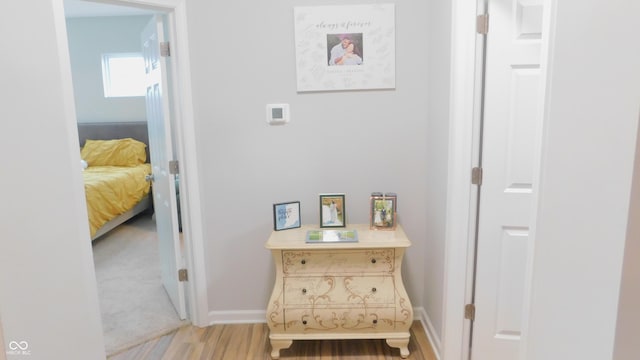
(402, 344)
(277, 345)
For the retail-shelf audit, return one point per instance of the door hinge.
(165, 49)
(182, 275)
(476, 176)
(482, 24)
(174, 167)
(470, 312)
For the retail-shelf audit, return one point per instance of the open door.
(511, 119)
(161, 150)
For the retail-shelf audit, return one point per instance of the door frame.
(185, 138)
(3, 356)
(461, 195)
(464, 145)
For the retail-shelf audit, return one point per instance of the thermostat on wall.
(277, 114)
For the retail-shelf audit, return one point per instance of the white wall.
(355, 142)
(590, 138)
(89, 38)
(48, 294)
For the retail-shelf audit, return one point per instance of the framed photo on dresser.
(332, 211)
(286, 215)
(383, 211)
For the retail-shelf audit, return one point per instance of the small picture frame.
(383, 214)
(286, 215)
(332, 211)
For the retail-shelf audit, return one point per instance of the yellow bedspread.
(112, 190)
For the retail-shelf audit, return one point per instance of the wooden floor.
(251, 342)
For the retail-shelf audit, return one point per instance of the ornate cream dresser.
(339, 290)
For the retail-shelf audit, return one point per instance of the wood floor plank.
(251, 342)
(153, 349)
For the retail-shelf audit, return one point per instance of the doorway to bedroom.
(134, 303)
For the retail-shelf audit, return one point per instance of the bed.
(115, 169)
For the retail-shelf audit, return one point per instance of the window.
(123, 75)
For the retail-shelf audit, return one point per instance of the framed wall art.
(383, 214)
(286, 215)
(345, 47)
(332, 210)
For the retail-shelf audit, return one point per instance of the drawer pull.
(373, 261)
(374, 290)
(304, 291)
(375, 321)
(304, 322)
(303, 261)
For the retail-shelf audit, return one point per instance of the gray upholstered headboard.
(114, 130)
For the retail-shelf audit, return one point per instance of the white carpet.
(133, 302)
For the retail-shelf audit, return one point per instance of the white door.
(161, 150)
(512, 84)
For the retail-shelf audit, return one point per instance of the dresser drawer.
(336, 320)
(339, 290)
(368, 261)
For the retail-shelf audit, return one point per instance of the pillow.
(117, 152)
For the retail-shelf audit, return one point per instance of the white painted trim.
(161, 5)
(187, 156)
(459, 235)
(237, 317)
(66, 83)
(190, 192)
(2, 347)
(432, 335)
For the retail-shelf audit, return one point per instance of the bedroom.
(125, 256)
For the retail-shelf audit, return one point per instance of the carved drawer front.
(333, 262)
(339, 290)
(334, 320)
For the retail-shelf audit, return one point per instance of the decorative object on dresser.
(286, 215)
(383, 215)
(322, 236)
(332, 210)
(339, 290)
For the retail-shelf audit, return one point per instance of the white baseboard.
(237, 317)
(421, 314)
(260, 316)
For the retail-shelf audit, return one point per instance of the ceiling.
(80, 8)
